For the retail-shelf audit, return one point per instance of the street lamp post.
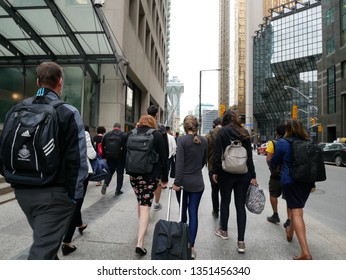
(308, 98)
(200, 96)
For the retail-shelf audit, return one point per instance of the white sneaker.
(157, 207)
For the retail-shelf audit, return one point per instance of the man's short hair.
(216, 122)
(152, 110)
(118, 125)
(49, 73)
(168, 128)
(280, 130)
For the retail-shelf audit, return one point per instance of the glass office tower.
(286, 50)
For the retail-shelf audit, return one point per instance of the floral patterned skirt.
(144, 188)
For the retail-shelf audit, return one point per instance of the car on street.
(322, 144)
(261, 150)
(335, 153)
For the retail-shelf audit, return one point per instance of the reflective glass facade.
(286, 49)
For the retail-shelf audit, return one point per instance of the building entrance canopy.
(65, 31)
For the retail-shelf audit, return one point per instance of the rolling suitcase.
(171, 240)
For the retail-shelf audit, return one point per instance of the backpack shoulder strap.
(150, 131)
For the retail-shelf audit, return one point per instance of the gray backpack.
(234, 158)
(141, 155)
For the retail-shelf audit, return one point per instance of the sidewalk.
(112, 231)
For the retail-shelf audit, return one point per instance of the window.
(330, 45)
(331, 90)
(132, 106)
(343, 69)
(330, 16)
(343, 22)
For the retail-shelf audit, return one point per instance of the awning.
(64, 31)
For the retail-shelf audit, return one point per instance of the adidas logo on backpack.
(26, 134)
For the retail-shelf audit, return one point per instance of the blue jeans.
(191, 202)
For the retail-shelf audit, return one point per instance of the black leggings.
(240, 184)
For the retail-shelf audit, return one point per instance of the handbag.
(100, 169)
(255, 199)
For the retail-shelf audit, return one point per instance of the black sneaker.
(273, 219)
(287, 223)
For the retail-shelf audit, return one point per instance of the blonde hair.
(147, 120)
(191, 124)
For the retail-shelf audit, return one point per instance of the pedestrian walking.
(114, 151)
(239, 183)
(172, 147)
(296, 193)
(211, 138)
(49, 206)
(145, 184)
(191, 158)
(77, 221)
(153, 111)
(275, 190)
(97, 139)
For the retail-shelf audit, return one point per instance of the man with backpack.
(211, 138)
(45, 160)
(274, 181)
(153, 111)
(114, 151)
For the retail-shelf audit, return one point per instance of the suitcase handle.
(169, 203)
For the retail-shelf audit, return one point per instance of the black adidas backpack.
(29, 149)
(111, 145)
(141, 155)
(307, 161)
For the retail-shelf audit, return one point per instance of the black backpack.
(141, 155)
(307, 161)
(111, 145)
(29, 148)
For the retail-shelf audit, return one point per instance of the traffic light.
(222, 109)
(294, 112)
(312, 121)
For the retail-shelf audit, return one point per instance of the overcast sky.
(194, 46)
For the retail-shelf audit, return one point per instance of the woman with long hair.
(191, 157)
(239, 183)
(296, 193)
(144, 185)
